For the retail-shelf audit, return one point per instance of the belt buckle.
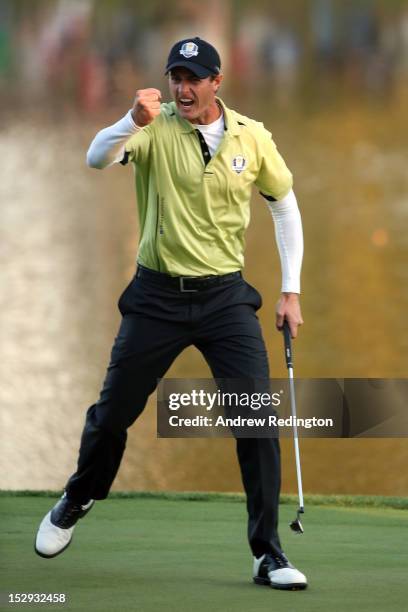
(182, 288)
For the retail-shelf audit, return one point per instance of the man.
(195, 163)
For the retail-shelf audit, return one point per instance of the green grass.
(356, 501)
(154, 552)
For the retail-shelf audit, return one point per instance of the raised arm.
(108, 146)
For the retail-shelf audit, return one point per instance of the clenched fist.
(146, 106)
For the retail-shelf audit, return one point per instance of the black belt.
(185, 284)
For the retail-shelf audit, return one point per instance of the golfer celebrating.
(195, 163)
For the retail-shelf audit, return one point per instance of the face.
(194, 97)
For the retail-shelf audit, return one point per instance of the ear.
(217, 82)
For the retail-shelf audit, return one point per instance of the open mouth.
(186, 102)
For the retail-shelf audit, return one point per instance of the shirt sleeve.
(289, 238)
(137, 148)
(274, 179)
(108, 146)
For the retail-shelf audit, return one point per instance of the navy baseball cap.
(195, 54)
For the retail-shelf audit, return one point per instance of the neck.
(211, 114)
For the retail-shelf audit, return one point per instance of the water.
(67, 248)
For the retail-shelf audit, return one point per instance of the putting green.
(153, 554)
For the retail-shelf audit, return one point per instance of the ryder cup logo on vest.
(189, 49)
(239, 163)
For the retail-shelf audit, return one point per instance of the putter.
(295, 525)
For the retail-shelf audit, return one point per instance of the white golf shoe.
(55, 531)
(277, 571)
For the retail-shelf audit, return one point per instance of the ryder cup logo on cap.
(239, 163)
(189, 49)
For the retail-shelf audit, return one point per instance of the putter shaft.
(289, 363)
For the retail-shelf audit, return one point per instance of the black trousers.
(158, 323)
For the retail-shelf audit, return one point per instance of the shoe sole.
(40, 554)
(300, 586)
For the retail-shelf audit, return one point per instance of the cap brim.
(198, 70)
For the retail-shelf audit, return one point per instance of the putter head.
(296, 525)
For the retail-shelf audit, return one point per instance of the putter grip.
(288, 345)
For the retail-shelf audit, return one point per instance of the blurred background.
(329, 78)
